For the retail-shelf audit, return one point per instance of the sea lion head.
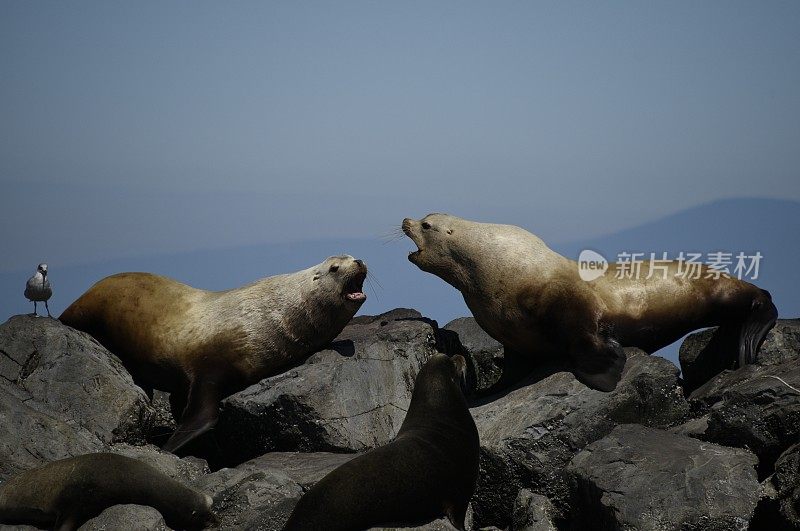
(446, 370)
(442, 244)
(345, 276)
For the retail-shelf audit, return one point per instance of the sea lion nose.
(360, 262)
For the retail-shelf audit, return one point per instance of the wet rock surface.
(643, 478)
(529, 435)
(758, 406)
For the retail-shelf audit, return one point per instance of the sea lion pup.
(64, 494)
(533, 301)
(203, 346)
(427, 471)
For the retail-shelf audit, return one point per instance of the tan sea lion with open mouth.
(533, 301)
(202, 346)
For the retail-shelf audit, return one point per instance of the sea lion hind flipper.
(600, 367)
(200, 415)
(762, 317)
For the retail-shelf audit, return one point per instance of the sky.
(221, 142)
(156, 127)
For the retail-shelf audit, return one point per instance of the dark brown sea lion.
(427, 471)
(202, 346)
(64, 494)
(533, 301)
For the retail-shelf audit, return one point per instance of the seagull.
(38, 289)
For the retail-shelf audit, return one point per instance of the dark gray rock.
(780, 507)
(305, 469)
(261, 493)
(185, 470)
(755, 407)
(33, 436)
(646, 479)
(350, 397)
(127, 517)
(529, 435)
(786, 481)
(692, 428)
(781, 344)
(442, 524)
(75, 377)
(533, 512)
(485, 355)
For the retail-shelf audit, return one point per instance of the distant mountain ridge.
(746, 224)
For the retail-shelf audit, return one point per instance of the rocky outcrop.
(532, 512)
(529, 435)
(77, 379)
(758, 406)
(118, 517)
(702, 359)
(780, 506)
(647, 479)
(32, 436)
(554, 453)
(485, 355)
(348, 398)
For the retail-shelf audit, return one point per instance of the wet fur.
(429, 470)
(65, 494)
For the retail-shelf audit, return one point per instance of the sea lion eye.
(426, 225)
(334, 268)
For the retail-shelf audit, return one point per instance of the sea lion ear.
(317, 275)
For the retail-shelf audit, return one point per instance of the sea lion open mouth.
(354, 289)
(406, 227)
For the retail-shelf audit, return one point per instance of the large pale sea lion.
(202, 346)
(429, 470)
(533, 301)
(63, 494)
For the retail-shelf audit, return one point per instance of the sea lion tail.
(762, 317)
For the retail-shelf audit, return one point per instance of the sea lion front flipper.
(200, 415)
(599, 366)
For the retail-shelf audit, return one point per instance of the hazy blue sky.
(152, 127)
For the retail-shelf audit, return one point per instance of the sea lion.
(64, 494)
(533, 301)
(202, 346)
(428, 470)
